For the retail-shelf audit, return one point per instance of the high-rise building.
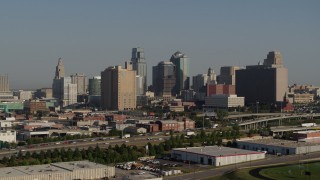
(4, 83)
(140, 85)
(211, 77)
(56, 85)
(95, 86)
(59, 69)
(140, 66)
(264, 83)
(199, 82)
(95, 91)
(181, 63)
(228, 75)
(5, 93)
(118, 88)
(163, 79)
(81, 81)
(69, 91)
(43, 93)
(62, 87)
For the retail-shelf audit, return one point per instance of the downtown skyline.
(90, 37)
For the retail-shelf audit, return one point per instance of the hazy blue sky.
(92, 35)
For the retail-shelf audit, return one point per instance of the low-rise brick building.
(150, 127)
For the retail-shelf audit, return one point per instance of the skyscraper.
(228, 75)
(211, 77)
(95, 86)
(263, 83)
(163, 79)
(140, 66)
(4, 83)
(62, 87)
(118, 88)
(181, 63)
(95, 91)
(5, 93)
(57, 91)
(199, 82)
(69, 91)
(82, 83)
(59, 69)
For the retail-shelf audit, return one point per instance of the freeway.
(86, 143)
(270, 160)
(255, 122)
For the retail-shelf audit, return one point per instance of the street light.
(257, 106)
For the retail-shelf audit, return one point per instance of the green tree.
(77, 156)
(221, 115)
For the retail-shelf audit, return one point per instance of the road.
(87, 143)
(270, 160)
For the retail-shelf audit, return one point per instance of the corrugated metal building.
(279, 146)
(215, 155)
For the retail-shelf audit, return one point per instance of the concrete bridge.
(263, 122)
(281, 130)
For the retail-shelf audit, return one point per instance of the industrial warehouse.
(215, 155)
(279, 146)
(58, 171)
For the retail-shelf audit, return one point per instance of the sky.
(92, 35)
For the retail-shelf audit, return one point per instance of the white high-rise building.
(69, 91)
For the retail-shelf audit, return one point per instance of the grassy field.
(242, 174)
(293, 172)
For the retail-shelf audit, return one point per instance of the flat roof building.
(264, 83)
(276, 146)
(215, 155)
(118, 88)
(58, 171)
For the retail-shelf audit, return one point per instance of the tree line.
(122, 153)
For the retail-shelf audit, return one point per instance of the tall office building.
(211, 76)
(228, 75)
(59, 69)
(95, 91)
(263, 83)
(163, 79)
(5, 93)
(199, 82)
(118, 88)
(62, 87)
(69, 91)
(4, 83)
(95, 86)
(56, 85)
(82, 83)
(181, 63)
(140, 66)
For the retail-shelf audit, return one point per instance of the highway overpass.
(263, 122)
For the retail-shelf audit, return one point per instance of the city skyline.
(93, 36)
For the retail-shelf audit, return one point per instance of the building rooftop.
(216, 151)
(48, 168)
(279, 142)
(306, 132)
